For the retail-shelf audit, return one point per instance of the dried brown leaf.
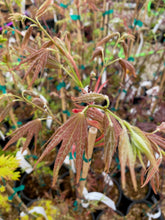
(127, 66)
(107, 38)
(98, 52)
(90, 97)
(125, 47)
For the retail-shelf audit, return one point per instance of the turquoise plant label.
(63, 5)
(3, 89)
(75, 17)
(66, 112)
(60, 85)
(108, 12)
(131, 59)
(138, 23)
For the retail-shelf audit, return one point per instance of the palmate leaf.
(109, 143)
(127, 156)
(141, 142)
(95, 114)
(123, 154)
(74, 131)
(37, 61)
(152, 171)
(30, 129)
(131, 164)
(156, 139)
(27, 37)
(5, 111)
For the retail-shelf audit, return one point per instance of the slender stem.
(112, 62)
(68, 56)
(23, 207)
(41, 109)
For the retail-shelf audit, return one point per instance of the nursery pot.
(105, 184)
(108, 214)
(64, 190)
(141, 193)
(35, 187)
(140, 210)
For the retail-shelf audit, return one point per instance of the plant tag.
(156, 27)
(23, 6)
(49, 122)
(153, 91)
(146, 84)
(154, 216)
(38, 210)
(104, 78)
(22, 162)
(2, 135)
(99, 197)
(107, 179)
(67, 161)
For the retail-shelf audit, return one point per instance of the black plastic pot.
(143, 212)
(136, 195)
(111, 214)
(41, 187)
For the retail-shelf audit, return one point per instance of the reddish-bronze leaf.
(95, 124)
(74, 131)
(109, 143)
(117, 128)
(30, 129)
(95, 114)
(154, 138)
(27, 37)
(38, 63)
(43, 8)
(5, 111)
(152, 171)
